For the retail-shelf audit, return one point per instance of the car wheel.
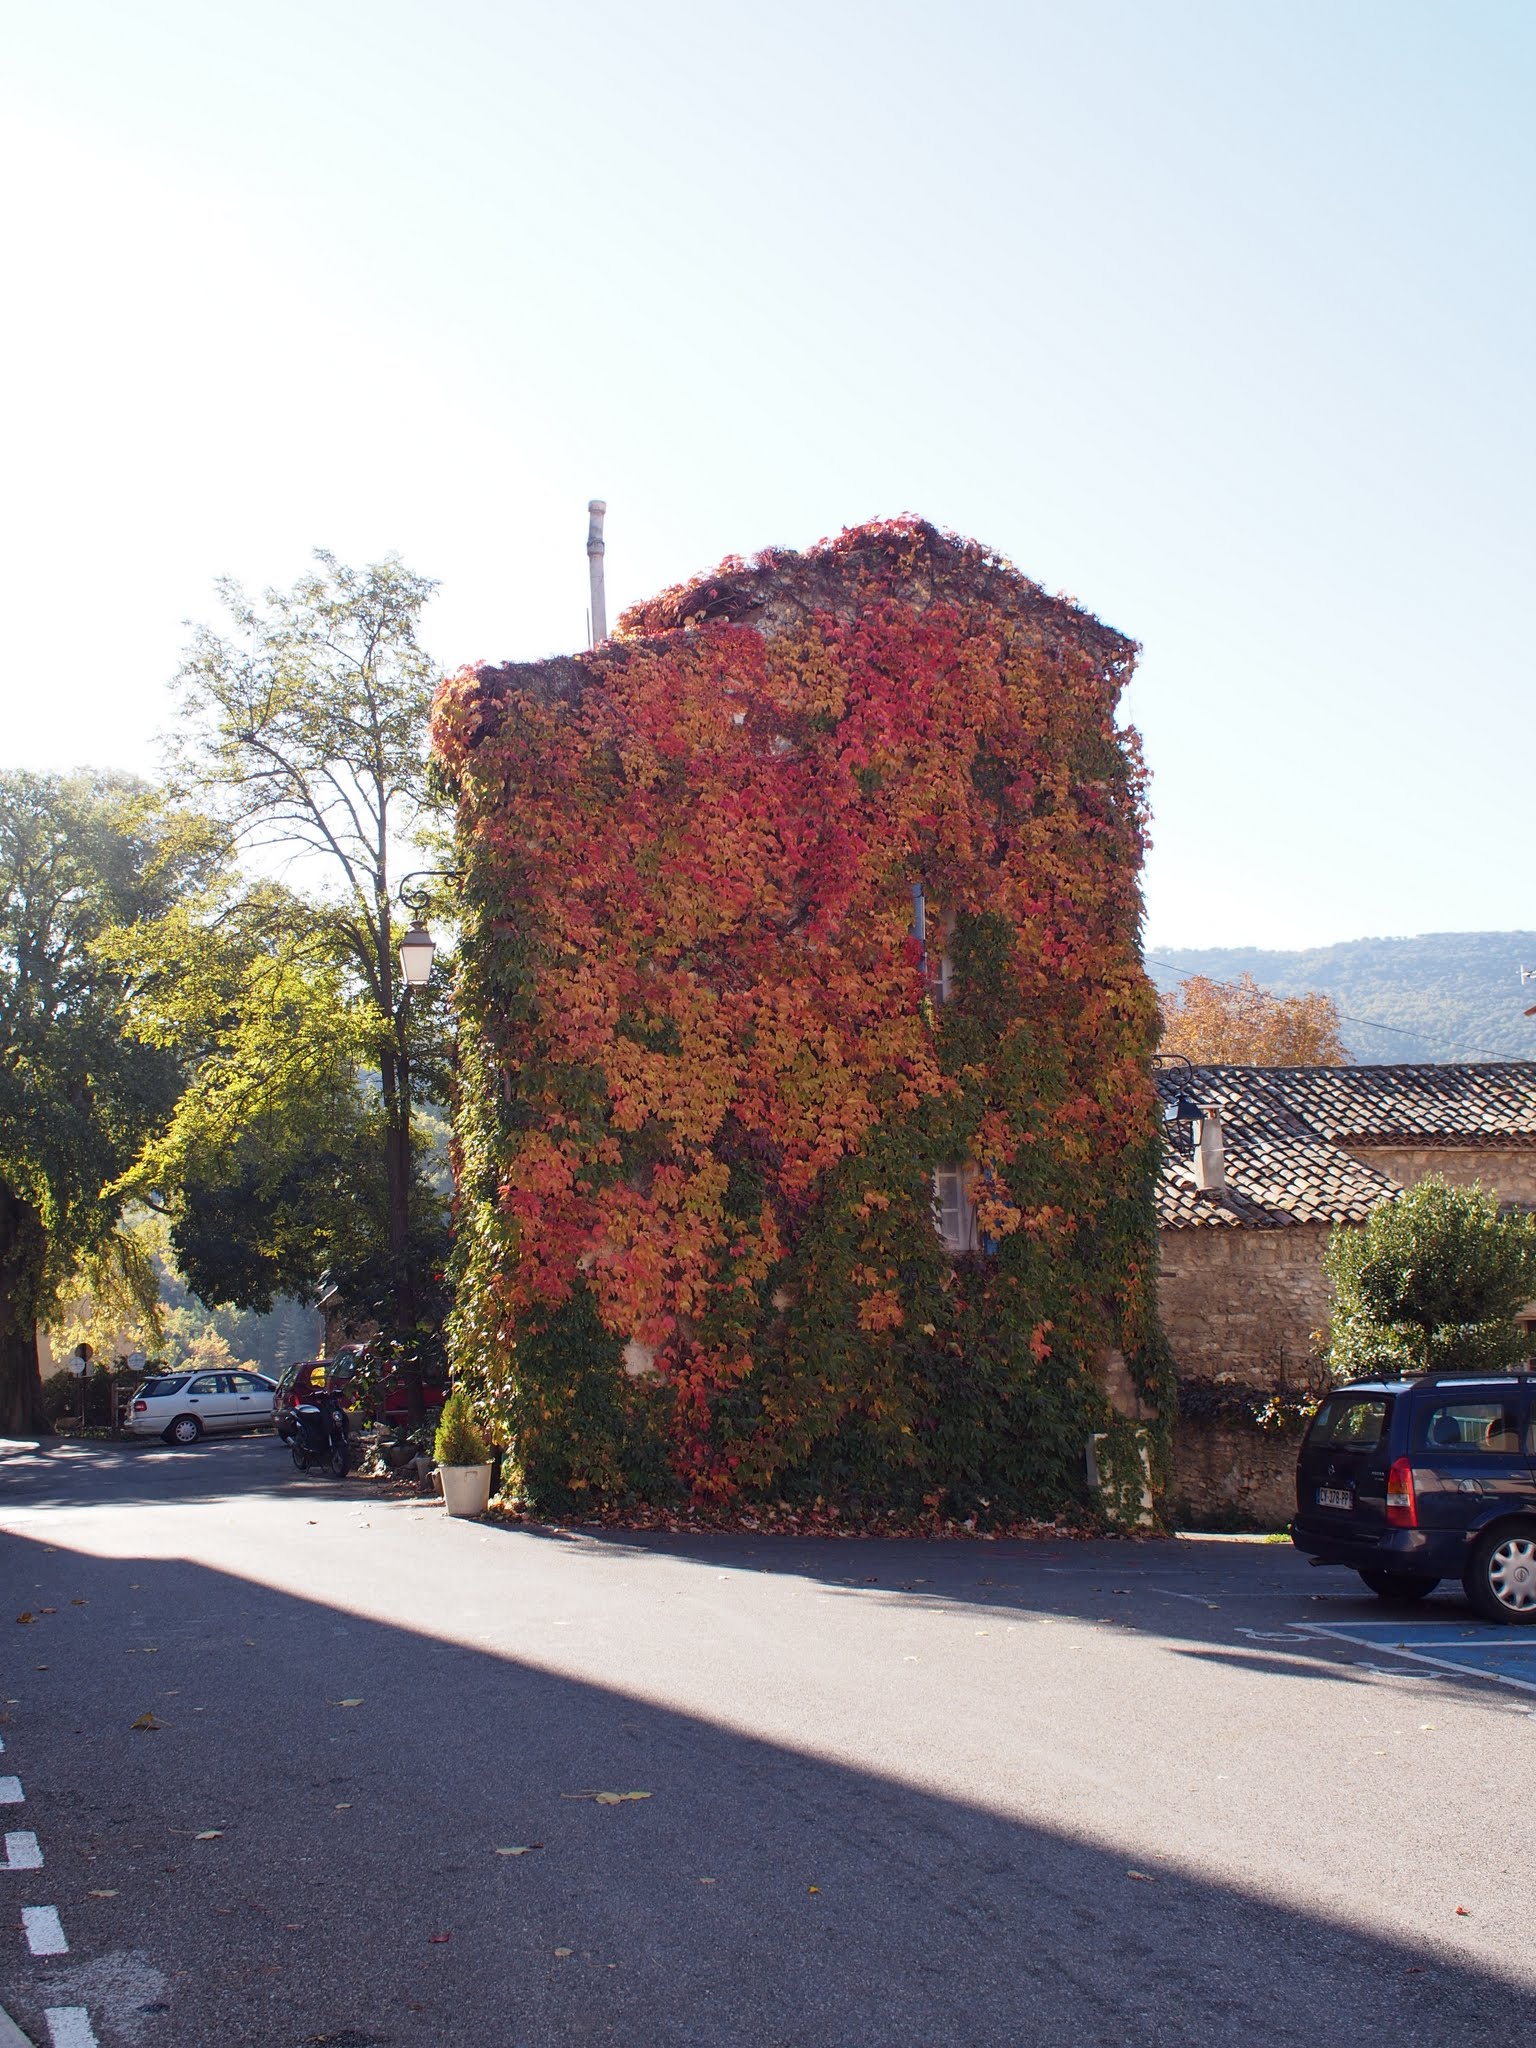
(186, 1429)
(1500, 1581)
(1399, 1585)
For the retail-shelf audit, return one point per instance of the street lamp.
(1208, 1152)
(418, 948)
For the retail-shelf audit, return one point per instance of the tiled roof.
(1289, 1133)
(1429, 1105)
(1279, 1169)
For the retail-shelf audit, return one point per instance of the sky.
(1218, 317)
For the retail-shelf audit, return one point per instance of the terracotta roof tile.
(1280, 1170)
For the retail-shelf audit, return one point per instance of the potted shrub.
(463, 1459)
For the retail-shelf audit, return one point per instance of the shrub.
(1430, 1285)
(459, 1441)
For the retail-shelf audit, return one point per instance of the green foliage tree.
(305, 728)
(268, 1170)
(1430, 1284)
(79, 1093)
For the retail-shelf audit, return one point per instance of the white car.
(182, 1406)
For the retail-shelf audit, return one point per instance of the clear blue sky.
(1218, 316)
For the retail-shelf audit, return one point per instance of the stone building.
(1243, 1295)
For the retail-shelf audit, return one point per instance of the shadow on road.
(77, 1472)
(364, 1777)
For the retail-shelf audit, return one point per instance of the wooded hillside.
(1443, 996)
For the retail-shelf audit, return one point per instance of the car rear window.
(1492, 1427)
(1351, 1422)
(171, 1383)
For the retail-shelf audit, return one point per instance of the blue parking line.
(1471, 1649)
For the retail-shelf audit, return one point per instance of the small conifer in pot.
(463, 1457)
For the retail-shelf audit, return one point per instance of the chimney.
(597, 508)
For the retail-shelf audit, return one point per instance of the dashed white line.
(11, 2035)
(69, 2026)
(22, 1852)
(11, 1793)
(44, 1930)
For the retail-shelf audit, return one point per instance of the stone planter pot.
(466, 1488)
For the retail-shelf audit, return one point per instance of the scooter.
(319, 1436)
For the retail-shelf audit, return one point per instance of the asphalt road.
(977, 1795)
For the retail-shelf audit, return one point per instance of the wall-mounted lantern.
(1207, 1156)
(418, 949)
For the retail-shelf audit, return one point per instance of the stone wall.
(1508, 1172)
(1243, 1304)
(1250, 1308)
(1231, 1475)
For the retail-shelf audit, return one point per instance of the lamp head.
(417, 951)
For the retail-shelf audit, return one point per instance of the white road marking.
(22, 1852)
(11, 1793)
(69, 2026)
(11, 2035)
(1461, 1670)
(44, 1930)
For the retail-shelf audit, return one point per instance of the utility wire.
(1367, 1023)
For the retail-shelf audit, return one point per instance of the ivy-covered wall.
(706, 1081)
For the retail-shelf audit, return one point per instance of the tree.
(1430, 1284)
(1217, 1023)
(306, 731)
(79, 1093)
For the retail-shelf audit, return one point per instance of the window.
(1350, 1425)
(954, 1213)
(1457, 1427)
(206, 1383)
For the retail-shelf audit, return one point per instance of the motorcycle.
(319, 1436)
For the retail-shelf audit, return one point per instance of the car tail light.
(141, 1407)
(1402, 1508)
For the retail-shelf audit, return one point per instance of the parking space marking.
(44, 1930)
(22, 1852)
(69, 2026)
(1470, 1651)
(11, 1793)
(11, 2035)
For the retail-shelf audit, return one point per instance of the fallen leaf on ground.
(439, 1937)
(208, 1835)
(28, 1616)
(343, 1703)
(1463, 1912)
(146, 1721)
(606, 1798)
(565, 1951)
(813, 1887)
(708, 1880)
(47, 1610)
(79, 1603)
(101, 1895)
(523, 1849)
(343, 1806)
(1142, 1876)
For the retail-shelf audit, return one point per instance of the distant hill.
(1446, 996)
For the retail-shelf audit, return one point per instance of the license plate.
(1334, 1497)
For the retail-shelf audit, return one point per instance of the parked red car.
(344, 1376)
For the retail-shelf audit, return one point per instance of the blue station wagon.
(1413, 1481)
